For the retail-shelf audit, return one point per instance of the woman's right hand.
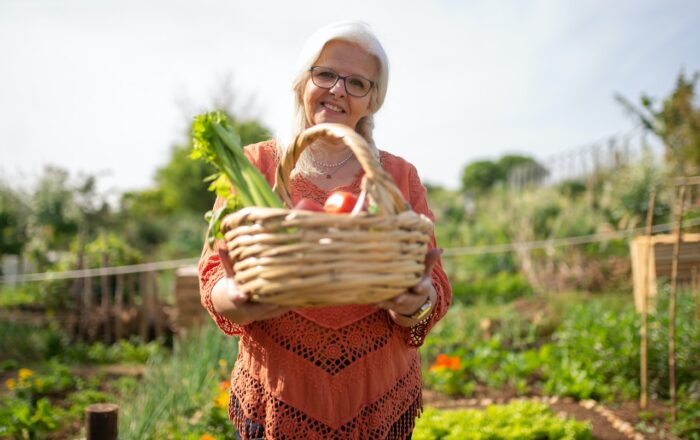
(235, 306)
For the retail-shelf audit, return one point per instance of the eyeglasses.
(355, 85)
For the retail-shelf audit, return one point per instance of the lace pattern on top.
(390, 417)
(339, 348)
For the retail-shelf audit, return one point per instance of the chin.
(335, 119)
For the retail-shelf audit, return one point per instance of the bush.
(499, 289)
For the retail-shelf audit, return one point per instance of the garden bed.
(607, 422)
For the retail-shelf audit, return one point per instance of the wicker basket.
(305, 258)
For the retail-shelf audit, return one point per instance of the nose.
(338, 89)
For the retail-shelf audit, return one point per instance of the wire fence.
(606, 154)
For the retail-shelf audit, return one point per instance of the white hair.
(355, 32)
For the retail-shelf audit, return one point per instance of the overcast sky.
(107, 87)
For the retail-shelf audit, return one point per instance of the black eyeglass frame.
(344, 78)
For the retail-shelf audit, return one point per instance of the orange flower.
(445, 362)
(224, 385)
(207, 437)
(454, 363)
(442, 359)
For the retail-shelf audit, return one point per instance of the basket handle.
(377, 184)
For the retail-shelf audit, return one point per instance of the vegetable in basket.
(217, 142)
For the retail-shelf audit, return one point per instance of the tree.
(676, 123)
(483, 175)
(14, 220)
(64, 211)
(181, 180)
(480, 176)
(528, 166)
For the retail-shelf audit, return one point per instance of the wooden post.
(118, 306)
(86, 318)
(105, 312)
(672, 308)
(645, 300)
(102, 421)
(156, 308)
(145, 291)
(696, 292)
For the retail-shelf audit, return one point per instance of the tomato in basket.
(340, 202)
(309, 205)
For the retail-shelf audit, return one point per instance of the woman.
(344, 372)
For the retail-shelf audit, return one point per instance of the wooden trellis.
(677, 255)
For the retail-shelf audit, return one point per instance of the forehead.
(348, 59)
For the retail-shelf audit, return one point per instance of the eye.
(325, 74)
(359, 84)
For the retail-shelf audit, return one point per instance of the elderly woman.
(342, 372)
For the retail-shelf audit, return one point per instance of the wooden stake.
(102, 421)
(118, 306)
(645, 299)
(696, 292)
(105, 311)
(86, 318)
(145, 291)
(156, 309)
(672, 308)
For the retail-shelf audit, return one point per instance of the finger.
(431, 259)
(423, 285)
(391, 303)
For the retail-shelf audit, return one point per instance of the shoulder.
(399, 168)
(406, 178)
(262, 149)
(264, 156)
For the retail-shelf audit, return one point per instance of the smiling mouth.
(332, 107)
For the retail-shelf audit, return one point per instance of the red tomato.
(309, 205)
(340, 202)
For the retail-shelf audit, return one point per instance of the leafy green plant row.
(517, 420)
(23, 343)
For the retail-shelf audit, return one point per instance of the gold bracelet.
(422, 312)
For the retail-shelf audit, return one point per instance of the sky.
(108, 87)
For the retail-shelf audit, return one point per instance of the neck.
(329, 151)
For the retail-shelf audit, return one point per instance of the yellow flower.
(223, 363)
(222, 399)
(25, 373)
(10, 383)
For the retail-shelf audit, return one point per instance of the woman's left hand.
(404, 305)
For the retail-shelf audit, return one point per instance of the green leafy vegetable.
(217, 142)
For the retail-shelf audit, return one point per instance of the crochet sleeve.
(210, 268)
(416, 334)
(210, 272)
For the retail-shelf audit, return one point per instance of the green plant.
(500, 288)
(158, 409)
(517, 420)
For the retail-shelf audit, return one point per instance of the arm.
(229, 307)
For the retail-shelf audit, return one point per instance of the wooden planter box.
(660, 262)
(189, 308)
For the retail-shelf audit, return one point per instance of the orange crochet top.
(341, 372)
